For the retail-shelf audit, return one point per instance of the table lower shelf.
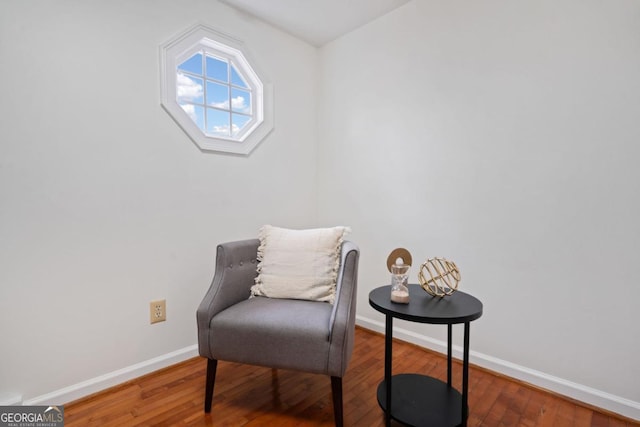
(418, 400)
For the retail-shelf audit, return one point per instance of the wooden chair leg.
(212, 364)
(336, 391)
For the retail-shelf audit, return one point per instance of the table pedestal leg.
(449, 351)
(465, 375)
(388, 343)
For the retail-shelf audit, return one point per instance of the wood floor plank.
(253, 396)
(515, 407)
(565, 414)
(534, 410)
(500, 404)
(599, 420)
(582, 417)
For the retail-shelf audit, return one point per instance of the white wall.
(105, 204)
(502, 135)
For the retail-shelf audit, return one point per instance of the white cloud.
(224, 130)
(223, 105)
(188, 89)
(238, 104)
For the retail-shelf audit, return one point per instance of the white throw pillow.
(298, 264)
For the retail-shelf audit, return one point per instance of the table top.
(424, 308)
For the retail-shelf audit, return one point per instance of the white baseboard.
(85, 388)
(598, 398)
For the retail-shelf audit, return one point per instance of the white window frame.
(202, 39)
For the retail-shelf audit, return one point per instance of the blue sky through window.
(217, 69)
(228, 97)
(236, 80)
(192, 65)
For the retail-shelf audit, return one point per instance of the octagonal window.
(213, 92)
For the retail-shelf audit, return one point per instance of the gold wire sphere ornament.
(439, 277)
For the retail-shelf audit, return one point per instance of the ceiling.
(316, 21)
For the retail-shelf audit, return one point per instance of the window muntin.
(212, 91)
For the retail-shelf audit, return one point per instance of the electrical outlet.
(158, 311)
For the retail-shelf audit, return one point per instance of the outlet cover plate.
(158, 311)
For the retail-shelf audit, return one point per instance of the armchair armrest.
(343, 316)
(236, 269)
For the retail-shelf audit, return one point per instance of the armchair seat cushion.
(278, 333)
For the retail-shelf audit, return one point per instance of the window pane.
(217, 95)
(239, 121)
(217, 122)
(217, 69)
(240, 101)
(236, 78)
(193, 64)
(189, 89)
(196, 113)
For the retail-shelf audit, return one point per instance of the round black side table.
(420, 400)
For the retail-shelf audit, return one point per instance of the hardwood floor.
(254, 396)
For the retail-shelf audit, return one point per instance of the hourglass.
(398, 263)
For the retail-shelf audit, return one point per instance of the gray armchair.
(307, 336)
